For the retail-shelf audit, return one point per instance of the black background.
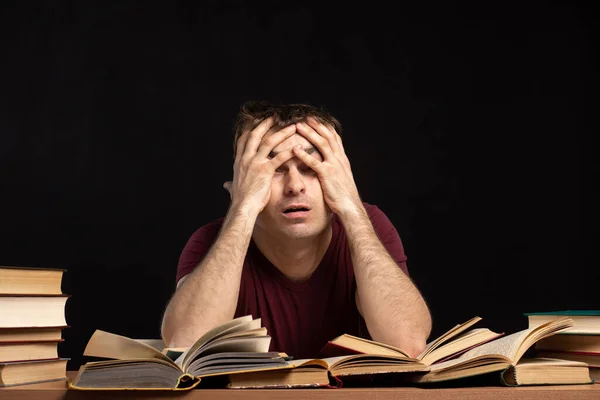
(470, 125)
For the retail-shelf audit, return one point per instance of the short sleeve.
(388, 235)
(196, 248)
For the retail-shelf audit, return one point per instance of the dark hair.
(253, 113)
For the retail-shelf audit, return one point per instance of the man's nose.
(294, 183)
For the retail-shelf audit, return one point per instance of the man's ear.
(227, 186)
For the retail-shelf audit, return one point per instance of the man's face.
(295, 185)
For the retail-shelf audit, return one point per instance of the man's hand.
(334, 172)
(253, 171)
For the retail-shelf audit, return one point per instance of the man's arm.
(208, 297)
(393, 308)
(391, 305)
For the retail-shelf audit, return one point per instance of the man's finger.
(256, 135)
(227, 186)
(319, 141)
(267, 145)
(281, 158)
(339, 140)
(306, 158)
(241, 145)
(326, 132)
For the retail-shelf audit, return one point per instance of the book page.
(240, 323)
(309, 362)
(327, 362)
(257, 344)
(238, 358)
(109, 345)
(334, 362)
(461, 344)
(244, 326)
(157, 344)
(448, 335)
(127, 374)
(543, 331)
(536, 362)
(372, 347)
(250, 332)
(505, 347)
(193, 352)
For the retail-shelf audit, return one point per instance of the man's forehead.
(292, 141)
(309, 150)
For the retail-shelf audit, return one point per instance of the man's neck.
(297, 259)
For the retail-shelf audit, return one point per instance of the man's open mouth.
(295, 209)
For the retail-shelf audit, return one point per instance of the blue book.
(566, 313)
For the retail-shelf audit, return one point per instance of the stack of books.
(580, 343)
(32, 318)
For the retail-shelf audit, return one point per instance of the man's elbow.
(414, 342)
(174, 338)
(415, 347)
(176, 341)
(418, 342)
(178, 335)
(171, 334)
(166, 332)
(411, 344)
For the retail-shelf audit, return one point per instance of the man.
(298, 247)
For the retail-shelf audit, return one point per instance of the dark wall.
(470, 126)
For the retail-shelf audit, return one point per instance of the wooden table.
(58, 390)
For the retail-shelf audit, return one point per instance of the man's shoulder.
(209, 229)
(371, 208)
(373, 211)
(380, 220)
(214, 224)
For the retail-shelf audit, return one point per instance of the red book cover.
(334, 350)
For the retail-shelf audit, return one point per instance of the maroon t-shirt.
(300, 316)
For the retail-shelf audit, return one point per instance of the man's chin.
(298, 232)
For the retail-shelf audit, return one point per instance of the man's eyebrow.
(310, 150)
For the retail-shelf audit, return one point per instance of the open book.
(497, 355)
(321, 372)
(236, 346)
(350, 355)
(455, 341)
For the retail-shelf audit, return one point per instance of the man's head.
(253, 113)
(294, 184)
